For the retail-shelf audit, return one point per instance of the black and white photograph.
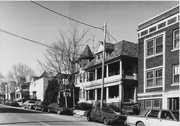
(89, 63)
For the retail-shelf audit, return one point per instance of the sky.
(31, 21)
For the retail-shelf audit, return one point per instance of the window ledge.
(176, 49)
(175, 84)
(147, 57)
(153, 87)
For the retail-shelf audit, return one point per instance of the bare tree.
(62, 55)
(19, 73)
(1, 77)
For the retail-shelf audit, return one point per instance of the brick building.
(158, 63)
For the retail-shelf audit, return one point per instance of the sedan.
(105, 115)
(42, 106)
(60, 110)
(29, 104)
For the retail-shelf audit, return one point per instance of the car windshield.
(176, 114)
(31, 101)
(109, 110)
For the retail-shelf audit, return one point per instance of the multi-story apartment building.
(158, 63)
(120, 76)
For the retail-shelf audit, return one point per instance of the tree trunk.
(74, 97)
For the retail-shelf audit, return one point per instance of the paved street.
(17, 116)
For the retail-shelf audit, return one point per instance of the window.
(150, 79)
(153, 113)
(150, 48)
(153, 104)
(99, 56)
(172, 20)
(159, 44)
(166, 115)
(144, 32)
(92, 94)
(173, 103)
(114, 69)
(99, 73)
(176, 39)
(176, 72)
(148, 104)
(154, 78)
(158, 77)
(162, 25)
(152, 29)
(156, 104)
(155, 46)
(114, 91)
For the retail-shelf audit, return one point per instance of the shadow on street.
(14, 110)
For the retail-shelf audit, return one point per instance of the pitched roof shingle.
(122, 48)
(86, 54)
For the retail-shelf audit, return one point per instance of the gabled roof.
(99, 48)
(86, 54)
(109, 46)
(44, 74)
(122, 48)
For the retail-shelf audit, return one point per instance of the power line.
(66, 16)
(27, 39)
(33, 41)
(73, 19)
(112, 37)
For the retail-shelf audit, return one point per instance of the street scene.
(17, 116)
(89, 63)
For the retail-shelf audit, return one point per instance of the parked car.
(11, 103)
(155, 118)
(105, 115)
(42, 106)
(59, 110)
(29, 104)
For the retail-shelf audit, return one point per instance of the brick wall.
(171, 57)
(141, 66)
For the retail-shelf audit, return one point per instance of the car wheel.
(58, 112)
(140, 124)
(106, 121)
(49, 110)
(89, 118)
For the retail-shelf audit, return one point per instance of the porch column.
(87, 77)
(85, 95)
(120, 69)
(135, 94)
(107, 94)
(95, 94)
(120, 92)
(95, 74)
(107, 70)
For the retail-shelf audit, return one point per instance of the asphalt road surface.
(17, 116)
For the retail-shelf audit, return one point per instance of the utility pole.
(104, 44)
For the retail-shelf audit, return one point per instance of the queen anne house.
(120, 73)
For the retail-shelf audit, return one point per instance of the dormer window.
(99, 56)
